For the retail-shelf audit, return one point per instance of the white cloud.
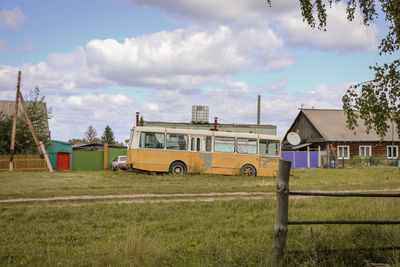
(241, 13)
(340, 35)
(12, 19)
(180, 60)
(72, 115)
(184, 59)
(234, 103)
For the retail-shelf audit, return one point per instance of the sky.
(97, 62)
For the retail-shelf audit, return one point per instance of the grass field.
(237, 232)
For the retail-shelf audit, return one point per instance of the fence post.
(281, 217)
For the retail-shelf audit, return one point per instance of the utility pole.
(258, 109)
(30, 125)
(14, 126)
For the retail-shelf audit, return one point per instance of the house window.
(343, 152)
(392, 152)
(365, 151)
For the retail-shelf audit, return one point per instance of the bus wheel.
(177, 168)
(248, 170)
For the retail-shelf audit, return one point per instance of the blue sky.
(98, 62)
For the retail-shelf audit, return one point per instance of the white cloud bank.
(341, 35)
(235, 103)
(182, 60)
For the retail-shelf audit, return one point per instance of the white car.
(119, 163)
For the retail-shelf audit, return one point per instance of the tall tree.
(108, 136)
(377, 100)
(91, 135)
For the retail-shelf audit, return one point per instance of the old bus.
(198, 151)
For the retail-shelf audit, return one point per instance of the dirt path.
(158, 198)
(127, 196)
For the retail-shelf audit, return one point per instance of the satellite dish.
(293, 138)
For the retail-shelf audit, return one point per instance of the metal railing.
(282, 210)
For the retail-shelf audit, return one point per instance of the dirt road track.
(79, 200)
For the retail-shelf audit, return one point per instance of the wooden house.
(325, 131)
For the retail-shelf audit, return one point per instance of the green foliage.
(76, 141)
(376, 100)
(5, 133)
(39, 114)
(108, 136)
(141, 121)
(91, 135)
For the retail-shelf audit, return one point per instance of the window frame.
(348, 151)
(247, 144)
(261, 153)
(387, 151)
(364, 146)
(187, 140)
(225, 137)
(148, 132)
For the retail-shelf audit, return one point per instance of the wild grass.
(220, 233)
(46, 184)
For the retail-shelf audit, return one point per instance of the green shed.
(60, 155)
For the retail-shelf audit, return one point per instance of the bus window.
(192, 144)
(198, 144)
(208, 143)
(269, 147)
(151, 140)
(246, 146)
(177, 141)
(224, 144)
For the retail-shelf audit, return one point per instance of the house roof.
(331, 124)
(95, 146)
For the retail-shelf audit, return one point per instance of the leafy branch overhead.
(377, 101)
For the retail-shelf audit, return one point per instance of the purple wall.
(299, 158)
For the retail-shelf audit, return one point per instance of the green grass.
(221, 233)
(46, 184)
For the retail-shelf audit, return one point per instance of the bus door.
(200, 158)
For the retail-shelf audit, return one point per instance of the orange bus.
(178, 151)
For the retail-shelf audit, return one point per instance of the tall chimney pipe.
(137, 118)
(258, 109)
(215, 124)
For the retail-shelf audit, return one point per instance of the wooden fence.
(282, 211)
(25, 162)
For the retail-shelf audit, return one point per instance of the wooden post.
(319, 156)
(46, 157)
(14, 126)
(30, 125)
(105, 163)
(282, 210)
